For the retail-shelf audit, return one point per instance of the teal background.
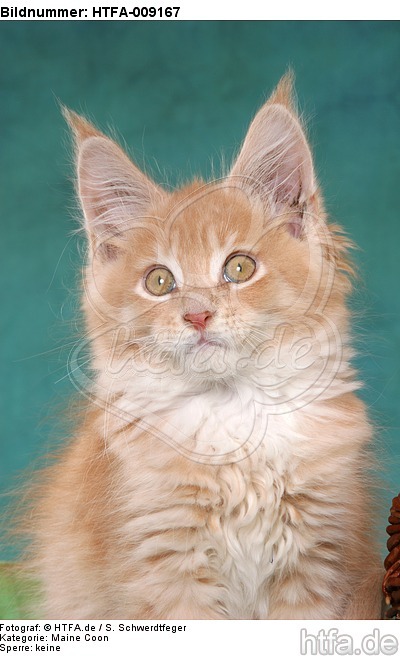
(181, 94)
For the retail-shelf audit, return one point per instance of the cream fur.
(228, 481)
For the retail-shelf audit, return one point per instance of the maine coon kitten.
(220, 469)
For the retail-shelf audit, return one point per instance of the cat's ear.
(275, 161)
(113, 192)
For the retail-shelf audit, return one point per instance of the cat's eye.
(239, 268)
(159, 281)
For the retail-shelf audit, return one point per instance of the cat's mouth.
(205, 341)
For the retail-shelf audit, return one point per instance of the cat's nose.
(198, 319)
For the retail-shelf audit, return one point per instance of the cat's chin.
(205, 361)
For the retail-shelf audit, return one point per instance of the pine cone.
(391, 582)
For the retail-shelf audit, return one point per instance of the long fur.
(223, 481)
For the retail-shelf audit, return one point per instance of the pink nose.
(198, 319)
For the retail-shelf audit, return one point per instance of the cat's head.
(240, 279)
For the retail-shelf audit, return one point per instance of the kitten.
(220, 468)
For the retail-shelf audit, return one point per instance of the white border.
(212, 10)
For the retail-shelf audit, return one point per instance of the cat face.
(237, 279)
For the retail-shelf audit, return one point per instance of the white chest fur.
(252, 455)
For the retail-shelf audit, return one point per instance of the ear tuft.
(284, 93)
(80, 126)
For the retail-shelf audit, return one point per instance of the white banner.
(173, 10)
(182, 638)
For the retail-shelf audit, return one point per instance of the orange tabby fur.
(213, 482)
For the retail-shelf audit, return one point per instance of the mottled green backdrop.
(181, 94)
